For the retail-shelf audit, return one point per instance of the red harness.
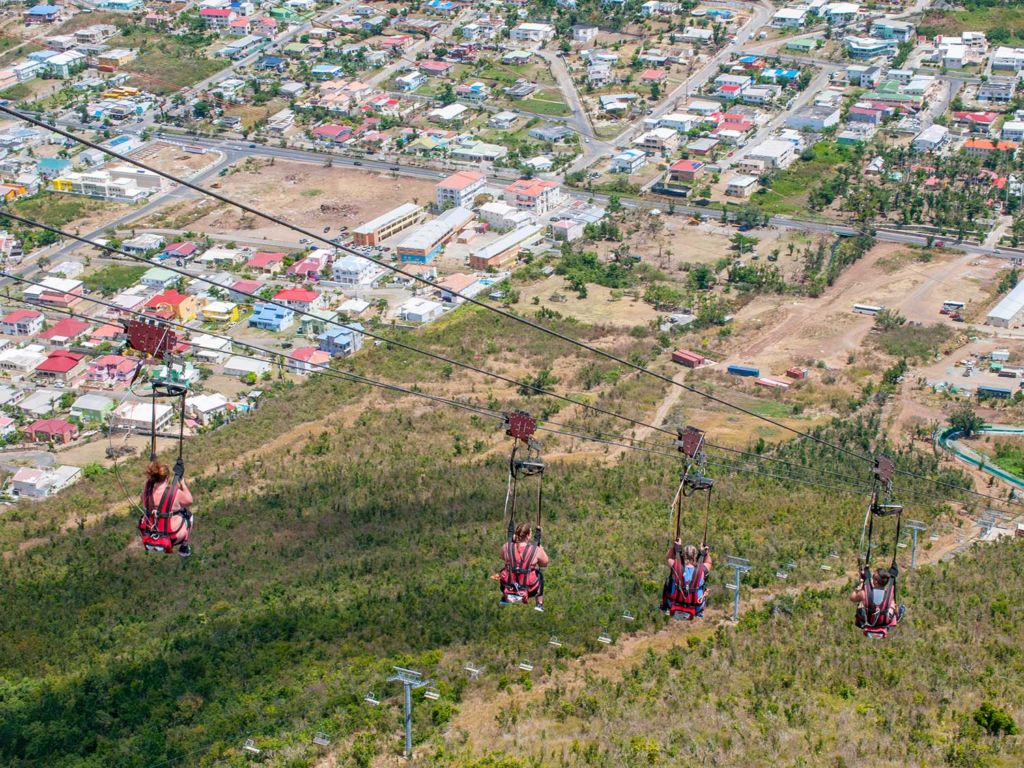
(876, 618)
(520, 578)
(158, 535)
(685, 596)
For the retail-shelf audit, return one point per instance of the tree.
(201, 110)
(614, 204)
(994, 720)
(966, 421)
(888, 319)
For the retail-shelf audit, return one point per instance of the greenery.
(1010, 457)
(59, 210)
(915, 341)
(113, 278)
(814, 180)
(966, 421)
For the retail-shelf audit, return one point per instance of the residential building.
(143, 244)
(931, 139)
(111, 370)
(685, 171)
(355, 272)
(183, 250)
(998, 89)
(423, 244)
(41, 14)
(388, 224)
(30, 483)
(52, 431)
(60, 366)
(270, 317)
(271, 262)
(308, 360)
(55, 292)
(502, 216)
(159, 278)
(839, 14)
(1013, 130)
(982, 148)
(22, 322)
(790, 18)
(341, 341)
(741, 186)
(220, 312)
(419, 310)
(64, 332)
(550, 132)
(171, 304)
(567, 230)
(629, 161)
(92, 407)
(1008, 58)
(210, 349)
(410, 81)
(535, 33)
(536, 195)
(449, 115)
(975, 122)
(892, 29)
(105, 185)
(479, 152)
(584, 33)
(815, 118)
(141, 417)
(503, 120)
(774, 153)
(869, 47)
(300, 299)
(663, 141)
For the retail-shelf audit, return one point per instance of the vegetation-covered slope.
(341, 531)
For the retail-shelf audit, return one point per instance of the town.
(457, 142)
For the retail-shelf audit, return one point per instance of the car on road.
(396, 167)
(357, 162)
(326, 230)
(586, 141)
(252, 146)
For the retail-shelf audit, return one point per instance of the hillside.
(342, 531)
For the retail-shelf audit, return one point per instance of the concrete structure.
(388, 224)
(418, 310)
(355, 272)
(535, 195)
(422, 245)
(741, 186)
(139, 417)
(459, 189)
(816, 118)
(534, 33)
(22, 322)
(774, 153)
(93, 407)
(998, 89)
(502, 216)
(628, 161)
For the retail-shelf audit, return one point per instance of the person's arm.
(670, 558)
(857, 596)
(184, 497)
(707, 560)
(542, 558)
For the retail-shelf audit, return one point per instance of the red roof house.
(65, 331)
(302, 299)
(266, 261)
(61, 365)
(56, 430)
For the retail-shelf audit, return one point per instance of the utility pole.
(740, 565)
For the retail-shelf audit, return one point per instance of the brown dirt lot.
(172, 159)
(310, 195)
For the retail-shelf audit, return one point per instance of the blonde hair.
(690, 554)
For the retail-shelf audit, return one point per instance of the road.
(591, 147)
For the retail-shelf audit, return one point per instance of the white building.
(356, 272)
(34, 483)
(459, 190)
(1009, 312)
(211, 349)
(418, 310)
(206, 406)
(774, 153)
(138, 417)
(1008, 58)
(500, 215)
(535, 33)
(1013, 130)
(930, 139)
(243, 366)
(584, 33)
(790, 18)
(629, 161)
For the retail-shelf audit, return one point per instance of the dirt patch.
(600, 307)
(171, 158)
(311, 195)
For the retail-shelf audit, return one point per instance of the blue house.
(269, 317)
(42, 14)
(342, 342)
(119, 5)
(326, 71)
(271, 62)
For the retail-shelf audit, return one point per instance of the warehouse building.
(421, 246)
(1009, 312)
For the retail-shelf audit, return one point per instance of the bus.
(195, 149)
(949, 307)
(867, 309)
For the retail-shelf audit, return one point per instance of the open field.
(1006, 20)
(69, 212)
(342, 197)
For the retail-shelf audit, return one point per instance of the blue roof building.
(340, 341)
(271, 62)
(51, 167)
(326, 71)
(270, 317)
